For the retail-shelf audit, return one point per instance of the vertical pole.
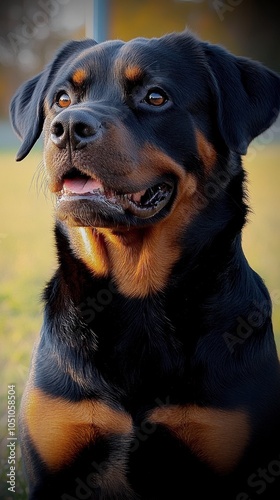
(100, 11)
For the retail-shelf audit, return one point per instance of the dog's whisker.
(39, 180)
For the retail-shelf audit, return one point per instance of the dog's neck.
(139, 261)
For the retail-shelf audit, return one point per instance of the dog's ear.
(247, 93)
(27, 106)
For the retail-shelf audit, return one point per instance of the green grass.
(28, 259)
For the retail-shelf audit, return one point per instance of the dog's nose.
(74, 127)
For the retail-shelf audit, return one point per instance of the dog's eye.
(63, 100)
(156, 97)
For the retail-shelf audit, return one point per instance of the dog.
(156, 374)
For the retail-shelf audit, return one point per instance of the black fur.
(204, 338)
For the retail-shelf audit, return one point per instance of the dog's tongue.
(82, 186)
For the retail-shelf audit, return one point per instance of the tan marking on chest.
(140, 260)
(89, 246)
(217, 437)
(206, 151)
(60, 429)
(143, 267)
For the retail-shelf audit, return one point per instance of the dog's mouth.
(94, 196)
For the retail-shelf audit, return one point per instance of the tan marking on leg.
(217, 437)
(60, 429)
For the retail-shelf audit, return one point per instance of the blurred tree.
(248, 27)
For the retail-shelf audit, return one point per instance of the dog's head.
(133, 128)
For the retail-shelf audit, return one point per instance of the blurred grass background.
(28, 261)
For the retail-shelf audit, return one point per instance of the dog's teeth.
(136, 197)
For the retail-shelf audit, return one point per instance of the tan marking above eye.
(218, 437)
(133, 73)
(79, 76)
(59, 429)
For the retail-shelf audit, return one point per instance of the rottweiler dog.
(156, 374)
